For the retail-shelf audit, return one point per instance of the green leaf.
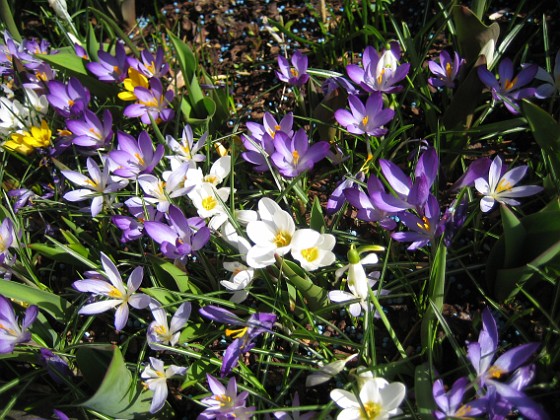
(56, 254)
(47, 302)
(171, 276)
(423, 382)
(186, 57)
(8, 20)
(317, 221)
(544, 127)
(514, 235)
(118, 395)
(315, 296)
(117, 29)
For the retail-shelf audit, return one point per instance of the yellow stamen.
(115, 293)
(295, 156)
(463, 411)
(503, 185)
(448, 70)
(495, 372)
(510, 83)
(209, 203)
(365, 120)
(310, 254)
(425, 225)
(381, 74)
(282, 239)
(236, 333)
(294, 72)
(371, 411)
(139, 158)
(224, 400)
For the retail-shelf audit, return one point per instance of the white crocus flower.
(97, 186)
(272, 234)
(160, 191)
(155, 376)
(185, 149)
(38, 104)
(358, 283)
(230, 234)
(240, 279)
(313, 249)
(377, 400)
(501, 188)
(160, 331)
(208, 199)
(12, 116)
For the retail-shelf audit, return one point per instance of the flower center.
(140, 159)
(209, 203)
(294, 72)
(212, 179)
(224, 400)
(310, 254)
(448, 70)
(365, 120)
(495, 372)
(503, 185)
(115, 293)
(510, 83)
(295, 156)
(371, 411)
(282, 239)
(463, 411)
(381, 75)
(425, 225)
(8, 330)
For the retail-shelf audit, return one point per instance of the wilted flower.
(11, 333)
(155, 376)
(225, 403)
(114, 289)
(296, 74)
(256, 325)
(240, 279)
(500, 187)
(327, 372)
(365, 119)
(377, 399)
(509, 88)
(294, 414)
(56, 366)
(446, 70)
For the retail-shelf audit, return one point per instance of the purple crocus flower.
(68, 99)
(293, 156)
(110, 68)
(181, 237)
(8, 239)
(91, 131)
(450, 403)
(379, 72)
(133, 227)
(119, 295)
(424, 229)
(150, 66)
(499, 186)
(296, 74)
(509, 88)
(446, 70)
(96, 187)
(365, 119)
(482, 353)
(56, 366)
(337, 198)
(256, 325)
(11, 333)
(367, 210)
(135, 157)
(224, 403)
(152, 102)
